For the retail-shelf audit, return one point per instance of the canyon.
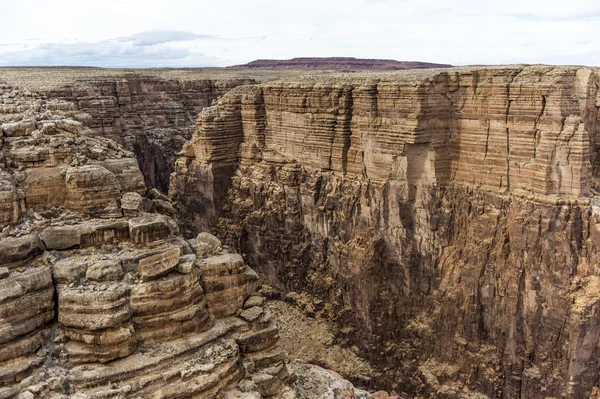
(101, 296)
(444, 221)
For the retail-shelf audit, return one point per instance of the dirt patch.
(310, 340)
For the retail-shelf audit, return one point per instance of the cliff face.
(99, 294)
(447, 220)
(149, 115)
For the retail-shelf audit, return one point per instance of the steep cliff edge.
(149, 115)
(149, 112)
(447, 220)
(100, 296)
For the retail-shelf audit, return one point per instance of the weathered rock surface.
(445, 219)
(100, 297)
(150, 113)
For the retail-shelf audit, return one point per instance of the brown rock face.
(151, 113)
(105, 299)
(447, 220)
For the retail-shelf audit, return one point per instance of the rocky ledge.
(100, 297)
(447, 220)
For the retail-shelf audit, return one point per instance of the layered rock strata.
(447, 220)
(149, 115)
(100, 297)
(149, 112)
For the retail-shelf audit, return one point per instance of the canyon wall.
(447, 220)
(100, 296)
(150, 115)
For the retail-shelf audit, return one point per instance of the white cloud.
(208, 33)
(152, 37)
(145, 49)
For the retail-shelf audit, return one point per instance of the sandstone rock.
(159, 264)
(84, 235)
(163, 207)
(135, 114)
(66, 271)
(186, 264)
(104, 271)
(205, 244)
(380, 395)
(155, 194)
(131, 204)
(15, 250)
(228, 283)
(255, 341)
(93, 189)
(26, 395)
(252, 314)
(22, 128)
(127, 173)
(149, 231)
(379, 195)
(254, 301)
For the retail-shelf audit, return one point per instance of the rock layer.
(447, 220)
(149, 115)
(102, 298)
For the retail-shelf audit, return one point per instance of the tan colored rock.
(16, 250)
(22, 128)
(228, 283)
(85, 235)
(149, 231)
(254, 301)
(159, 264)
(127, 173)
(207, 244)
(94, 189)
(418, 205)
(149, 337)
(104, 271)
(186, 264)
(131, 204)
(255, 341)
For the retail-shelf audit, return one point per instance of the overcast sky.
(156, 33)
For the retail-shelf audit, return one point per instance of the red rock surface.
(347, 63)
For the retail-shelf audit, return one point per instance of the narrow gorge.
(446, 222)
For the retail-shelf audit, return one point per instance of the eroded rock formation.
(447, 220)
(100, 297)
(149, 112)
(149, 115)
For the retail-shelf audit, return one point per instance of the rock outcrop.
(100, 296)
(149, 115)
(447, 220)
(149, 112)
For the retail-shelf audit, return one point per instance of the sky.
(182, 33)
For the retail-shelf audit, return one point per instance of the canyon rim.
(175, 233)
